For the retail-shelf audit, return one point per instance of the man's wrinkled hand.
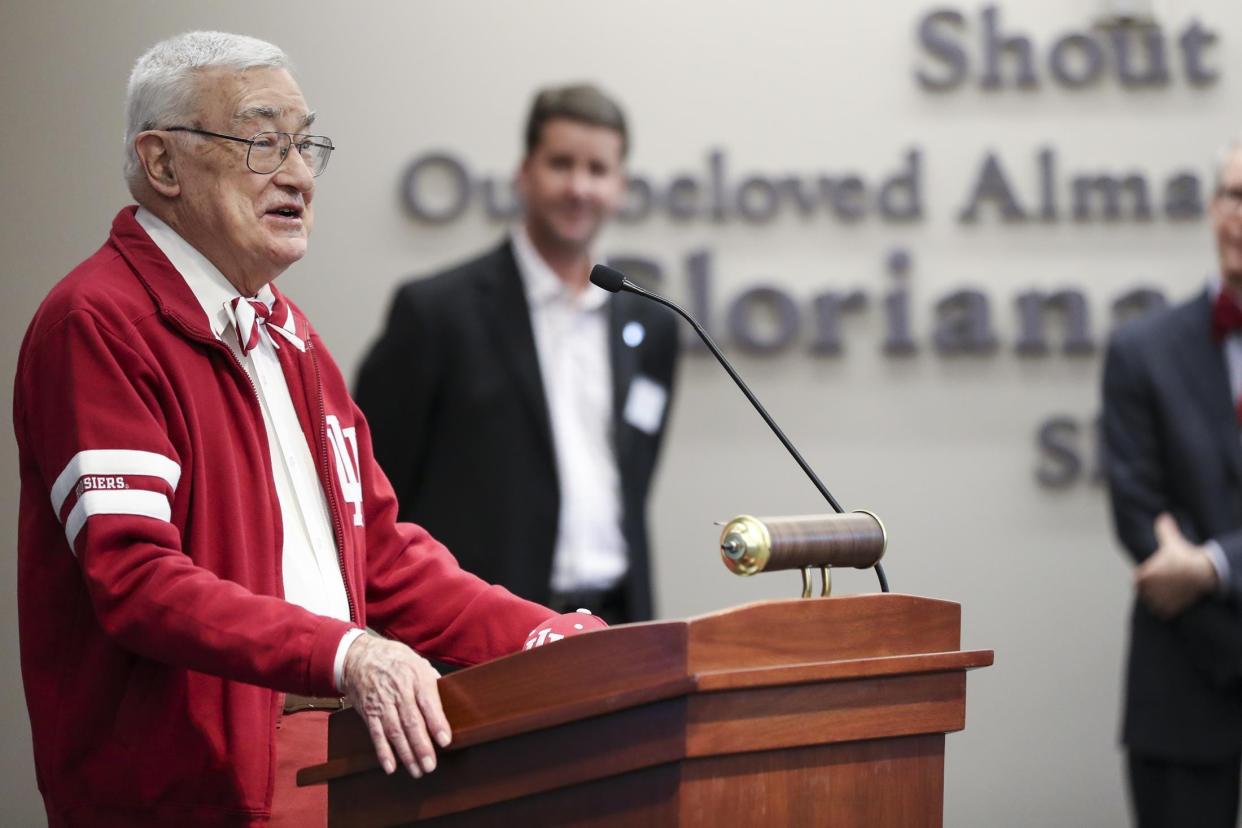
(1177, 574)
(394, 689)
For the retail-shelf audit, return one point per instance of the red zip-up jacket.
(154, 639)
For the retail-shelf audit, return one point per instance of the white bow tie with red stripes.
(255, 320)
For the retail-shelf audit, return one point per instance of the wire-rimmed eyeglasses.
(267, 150)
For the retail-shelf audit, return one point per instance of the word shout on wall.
(993, 57)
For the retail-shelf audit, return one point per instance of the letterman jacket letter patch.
(344, 443)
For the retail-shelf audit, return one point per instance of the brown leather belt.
(296, 704)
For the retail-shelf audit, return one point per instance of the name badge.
(645, 404)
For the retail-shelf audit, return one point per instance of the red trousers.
(301, 740)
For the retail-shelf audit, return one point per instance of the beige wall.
(943, 449)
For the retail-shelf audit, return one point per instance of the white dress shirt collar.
(541, 282)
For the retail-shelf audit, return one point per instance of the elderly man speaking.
(204, 533)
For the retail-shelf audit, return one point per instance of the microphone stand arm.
(780, 435)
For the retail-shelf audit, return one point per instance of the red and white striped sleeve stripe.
(114, 482)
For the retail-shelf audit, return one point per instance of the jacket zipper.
(325, 480)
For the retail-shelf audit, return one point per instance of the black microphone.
(614, 281)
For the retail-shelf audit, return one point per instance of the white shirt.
(571, 340)
(1232, 347)
(309, 562)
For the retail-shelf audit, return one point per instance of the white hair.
(162, 85)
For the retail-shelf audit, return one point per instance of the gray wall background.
(942, 448)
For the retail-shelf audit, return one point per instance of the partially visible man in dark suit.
(518, 409)
(1172, 383)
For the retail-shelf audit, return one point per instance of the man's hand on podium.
(394, 689)
(563, 626)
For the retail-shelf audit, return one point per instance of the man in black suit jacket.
(519, 410)
(1174, 457)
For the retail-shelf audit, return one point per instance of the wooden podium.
(823, 711)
